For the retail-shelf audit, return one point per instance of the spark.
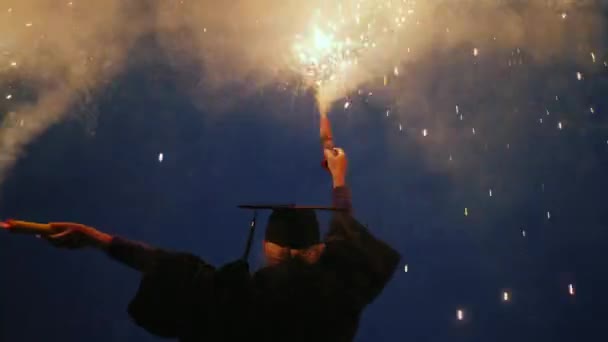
(388, 112)
(564, 15)
(466, 211)
(571, 289)
(556, 98)
(161, 157)
(28, 24)
(425, 132)
(9, 96)
(523, 233)
(457, 110)
(346, 105)
(559, 125)
(406, 268)
(547, 111)
(473, 130)
(475, 52)
(548, 215)
(490, 192)
(506, 296)
(396, 71)
(324, 57)
(591, 110)
(460, 314)
(14, 64)
(451, 157)
(400, 127)
(593, 57)
(579, 76)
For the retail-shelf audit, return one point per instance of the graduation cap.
(289, 225)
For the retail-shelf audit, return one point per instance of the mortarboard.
(290, 225)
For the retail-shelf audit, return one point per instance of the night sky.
(508, 199)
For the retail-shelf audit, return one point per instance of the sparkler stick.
(25, 227)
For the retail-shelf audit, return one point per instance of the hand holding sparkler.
(60, 234)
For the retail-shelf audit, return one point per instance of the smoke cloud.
(226, 51)
(52, 55)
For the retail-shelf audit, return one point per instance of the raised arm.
(364, 262)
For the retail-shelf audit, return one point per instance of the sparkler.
(330, 52)
(325, 56)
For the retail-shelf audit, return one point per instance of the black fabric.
(293, 228)
(183, 297)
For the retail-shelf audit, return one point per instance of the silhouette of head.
(292, 233)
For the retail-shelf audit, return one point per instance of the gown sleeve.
(363, 263)
(175, 295)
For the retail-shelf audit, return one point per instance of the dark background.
(103, 170)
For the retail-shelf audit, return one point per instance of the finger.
(56, 243)
(59, 235)
(328, 153)
(72, 243)
(62, 242)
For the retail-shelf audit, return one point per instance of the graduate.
(310, 289)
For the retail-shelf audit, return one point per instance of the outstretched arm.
(70, 235)
(136, 255)
(175, 291)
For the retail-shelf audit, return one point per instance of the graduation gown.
(183, 297)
